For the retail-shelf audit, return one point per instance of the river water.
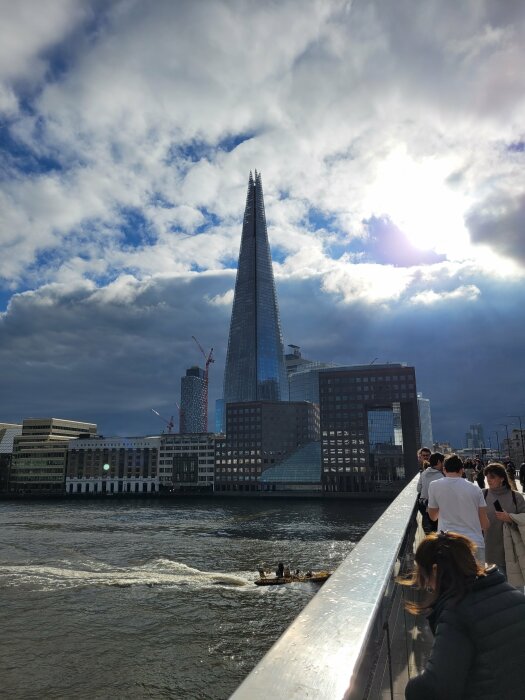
(155, 599)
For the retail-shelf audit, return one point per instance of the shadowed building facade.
(369, 427)
(255, 368)
(259, 435)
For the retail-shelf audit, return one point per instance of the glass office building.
(255, 368)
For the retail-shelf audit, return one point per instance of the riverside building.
(187, 462)
(39, 454)
(112, 465)
(259, 435)
(369, 427)
(8, 431)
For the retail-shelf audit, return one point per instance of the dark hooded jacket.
(479, 648)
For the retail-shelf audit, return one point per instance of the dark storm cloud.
(500, 223)
(468, 354)
(110, 355)
(109, 358)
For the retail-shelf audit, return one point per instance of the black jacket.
(479, 646)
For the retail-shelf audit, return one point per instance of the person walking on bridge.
(458, 505)
(478, 622)
(432, 473)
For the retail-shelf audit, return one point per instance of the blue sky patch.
(159, 200)
(317, 219)
(5, 296)
(135, 229)
(17, 156)
(231, 142)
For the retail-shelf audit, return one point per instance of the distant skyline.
(391, 144)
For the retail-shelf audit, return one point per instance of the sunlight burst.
(416, 198)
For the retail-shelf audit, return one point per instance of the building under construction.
(194, 401)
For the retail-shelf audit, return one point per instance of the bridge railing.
(354, 639)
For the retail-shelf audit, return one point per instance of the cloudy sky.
(391, 141)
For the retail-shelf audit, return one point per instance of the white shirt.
(458, 501)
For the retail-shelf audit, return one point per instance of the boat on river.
(309, 577)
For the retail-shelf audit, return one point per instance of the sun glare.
(416, 198)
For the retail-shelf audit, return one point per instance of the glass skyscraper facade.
(255, 368)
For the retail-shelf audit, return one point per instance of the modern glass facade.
(255, 368)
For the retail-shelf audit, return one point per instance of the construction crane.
(208, 359)
(169, 423)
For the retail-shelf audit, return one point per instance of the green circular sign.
(106, 467)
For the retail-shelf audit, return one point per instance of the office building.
(112, 465)
(303, 375)
(304, 383)
(425, 421)
(294, 361)
(369, 427)
(39, 454)
(187, 462)
(474, 438)
(255, 368)
(193, 401)
(8, 431)
(259, 435)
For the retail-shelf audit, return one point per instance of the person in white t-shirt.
(458, 505)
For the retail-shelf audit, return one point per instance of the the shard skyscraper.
(255, 368)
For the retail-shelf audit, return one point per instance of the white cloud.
(340, 94)
(469, 292)
(28, 30)
(122, 182)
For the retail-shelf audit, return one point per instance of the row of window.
(170, 461)
(359, 380)
(354, 469)
(184, 450)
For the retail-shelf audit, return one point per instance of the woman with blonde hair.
(478, 622)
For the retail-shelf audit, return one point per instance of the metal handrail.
(330, 650)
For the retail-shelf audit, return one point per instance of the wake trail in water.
(157, 572)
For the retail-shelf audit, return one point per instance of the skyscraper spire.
(255, 368)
